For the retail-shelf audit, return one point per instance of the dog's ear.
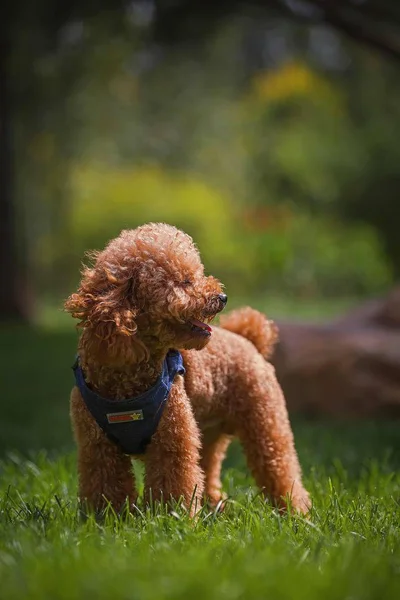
(106, 309)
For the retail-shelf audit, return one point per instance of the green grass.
(348, 550)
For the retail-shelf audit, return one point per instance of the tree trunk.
(348, 368)
(13, 301)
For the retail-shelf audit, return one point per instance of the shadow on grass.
(350, 445)
(36, 381)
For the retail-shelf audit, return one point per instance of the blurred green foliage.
(270, 169)
(267, 247)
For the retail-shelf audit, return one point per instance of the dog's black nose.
(223, 298)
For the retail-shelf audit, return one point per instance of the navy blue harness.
(131, 423)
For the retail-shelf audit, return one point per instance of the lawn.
(349, 549)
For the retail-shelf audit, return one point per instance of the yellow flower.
(293, 79)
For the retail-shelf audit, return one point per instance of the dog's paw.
(217, 501)
(299, 501)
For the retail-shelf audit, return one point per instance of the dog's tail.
(254, 326)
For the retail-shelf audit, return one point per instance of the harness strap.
(131, 423)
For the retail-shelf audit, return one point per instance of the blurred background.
(268, 130)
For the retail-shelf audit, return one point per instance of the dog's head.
(146, 293)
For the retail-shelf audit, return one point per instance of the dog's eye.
(186, 282)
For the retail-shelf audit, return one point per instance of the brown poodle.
(145, 295)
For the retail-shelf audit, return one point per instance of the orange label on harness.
(125, 417)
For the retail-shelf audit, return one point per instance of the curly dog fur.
(143, 296)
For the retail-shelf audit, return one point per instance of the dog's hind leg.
(263, 427)
(212, 456)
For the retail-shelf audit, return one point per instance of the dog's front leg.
(104, 471)
(172, 458)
